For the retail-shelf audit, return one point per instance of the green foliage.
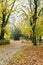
(24, 36)
(16, 34)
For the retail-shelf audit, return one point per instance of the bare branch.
(40, 11)
(9, 13)
(24, 12)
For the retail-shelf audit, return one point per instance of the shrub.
(16, 34)
(4, 42)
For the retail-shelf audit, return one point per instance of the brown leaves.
(29, 55)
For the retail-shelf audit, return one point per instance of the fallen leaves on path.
(28, 55)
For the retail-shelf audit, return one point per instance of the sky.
(16, 15)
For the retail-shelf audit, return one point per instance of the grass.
(4, 42)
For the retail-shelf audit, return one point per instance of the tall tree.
(34, 21)
(34, 11)
(35, 17)
(6, 7)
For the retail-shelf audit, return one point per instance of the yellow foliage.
(39, 26)
(7, 32)
(25, 28)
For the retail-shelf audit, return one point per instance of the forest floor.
(28, 55)
(7, 51)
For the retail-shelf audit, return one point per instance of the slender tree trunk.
(31, 35)
(2, 26)
(40, 40)
(34, 36)
(34, 23)
(2, 33)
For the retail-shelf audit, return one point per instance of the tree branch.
(40, 11)
(9, 13)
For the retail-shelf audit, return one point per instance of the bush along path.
(7, 51)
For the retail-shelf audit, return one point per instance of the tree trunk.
(2, 26)
(34, 36)
(34, 23)
(30, 35)
(40, 40)
(2, 34)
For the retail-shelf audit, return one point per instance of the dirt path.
(7, 51)
(28, 55)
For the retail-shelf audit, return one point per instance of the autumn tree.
(24, 27)
(34, 11)
(6, 8)
(35, 17)
(39, 28)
